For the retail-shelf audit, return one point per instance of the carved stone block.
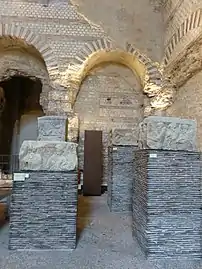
(124, 137)
(48, 156)
(167, 133)
(52, 128)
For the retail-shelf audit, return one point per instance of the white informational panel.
(20, 176)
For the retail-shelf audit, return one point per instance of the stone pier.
(167, 203)
(44, 199)
(120, 170)
(167, 189)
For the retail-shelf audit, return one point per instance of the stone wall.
(109, 98)
(188, 104)
(126, 21)
(59, 33)
(182, 20)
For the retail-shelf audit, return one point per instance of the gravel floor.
(104, 241)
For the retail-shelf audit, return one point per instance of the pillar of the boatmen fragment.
(167, 189)
(52, 128)
(44, 197)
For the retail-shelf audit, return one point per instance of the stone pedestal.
(120, 178)
(43, 211)
(167, 133)
(167, 203)
(52, 128)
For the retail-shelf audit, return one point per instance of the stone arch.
(19, 58)
(101, 51)
(32, 39)
(192, 23)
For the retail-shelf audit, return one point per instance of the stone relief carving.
(48, 155)
(124, 136)
(167, 133)
(52, 128)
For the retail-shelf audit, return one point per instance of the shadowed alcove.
(19, 117)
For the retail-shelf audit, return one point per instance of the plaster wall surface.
(125, 20)
(188, 104)
(66, 31)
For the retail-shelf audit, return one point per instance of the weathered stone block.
(52, 128)
(48, 203)
(48, 156)
(124, 137)
(167, 133)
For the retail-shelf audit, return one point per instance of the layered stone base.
(121, 174)
(166, 203)
(43, 211)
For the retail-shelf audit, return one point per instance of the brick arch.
(101, 51)
(35, 40)
(192, 23)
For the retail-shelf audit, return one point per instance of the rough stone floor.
(105, 241)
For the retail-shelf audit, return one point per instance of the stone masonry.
(121, 175)
(48, 203)
(120, 169)
(167, 203)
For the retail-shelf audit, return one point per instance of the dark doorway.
(22, 95)
(92, 179)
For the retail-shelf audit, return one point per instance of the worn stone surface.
(188, 104)
(120, 178)
(52, 128)
(124, 136)
(73, 128)
(167, 203)
(167, 133)
(48, 203)
(48, 156)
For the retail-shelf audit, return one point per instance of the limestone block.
(73, 128)
(124, 137)
(167, 133)
(52, 128)
(48, 156)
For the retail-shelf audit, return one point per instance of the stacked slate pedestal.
(120, 171)
(167, 191)
(44, 199)
(166, 203)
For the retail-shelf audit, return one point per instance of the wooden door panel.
(92, 179)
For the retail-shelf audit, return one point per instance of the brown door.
(92, 178)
